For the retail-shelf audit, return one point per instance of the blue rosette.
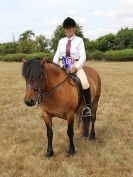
(67, 62)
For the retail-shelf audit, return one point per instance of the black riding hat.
(69, 22)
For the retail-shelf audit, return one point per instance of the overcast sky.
(98, 17)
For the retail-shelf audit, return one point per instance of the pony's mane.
(33, 70)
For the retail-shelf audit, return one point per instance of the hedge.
(111, 55)
(96, 55)
(21, 56)
(119, 55)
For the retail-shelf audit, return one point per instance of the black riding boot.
(86, 112)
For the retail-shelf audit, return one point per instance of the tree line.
(29, 43)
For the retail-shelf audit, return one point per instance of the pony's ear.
(24, 60)
(44, 60)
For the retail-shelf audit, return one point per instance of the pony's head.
(33, 73)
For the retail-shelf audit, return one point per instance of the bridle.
(38, 95)
(41, 93)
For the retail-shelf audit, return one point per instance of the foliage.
(6, 48)
(89, 45)
(111, 55)
(41, 43)
(119, 55)
(25, 46)
(21, 56)
(125, 38)
(95, 55)
(106, 42)
(102, 48)
(27, 35)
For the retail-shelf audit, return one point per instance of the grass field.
(23, 135)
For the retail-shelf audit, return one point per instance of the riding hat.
(69, 22)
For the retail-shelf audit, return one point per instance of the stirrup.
(86, 112)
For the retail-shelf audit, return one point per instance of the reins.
(51, 90)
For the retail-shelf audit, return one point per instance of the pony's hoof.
(49, 154)
(85, 138)
(85, 135)
(71, 152)
(92, 137)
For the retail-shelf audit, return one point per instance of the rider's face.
(69, 31)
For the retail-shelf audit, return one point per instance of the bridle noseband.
(39, 93)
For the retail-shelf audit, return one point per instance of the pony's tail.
(78, 120)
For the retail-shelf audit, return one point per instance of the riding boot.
(86, 112)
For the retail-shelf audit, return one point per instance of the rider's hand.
(73, 70)
(61, 65)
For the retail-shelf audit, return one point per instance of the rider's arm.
(82, 55)
(57, 54)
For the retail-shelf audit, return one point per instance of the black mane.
(33, 71)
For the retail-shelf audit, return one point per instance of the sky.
(98, 17)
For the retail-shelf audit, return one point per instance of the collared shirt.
(77, 50)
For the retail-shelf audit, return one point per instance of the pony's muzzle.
(30, 102)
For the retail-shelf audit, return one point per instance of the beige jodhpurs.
(83, 78)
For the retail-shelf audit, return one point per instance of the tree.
(59, 33)
(89, 45)
(9, 47)
(27, 35)
(125, 38)
(41, 43)
(25, 43)
(107, 42)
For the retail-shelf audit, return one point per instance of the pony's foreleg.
(70, 133)
(48, 122)
(49, 152)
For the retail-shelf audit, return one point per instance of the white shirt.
(77, 50)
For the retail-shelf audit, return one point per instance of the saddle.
(79, 87)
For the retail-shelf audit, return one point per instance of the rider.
(73, 46)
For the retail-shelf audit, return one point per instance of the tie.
(68, 46)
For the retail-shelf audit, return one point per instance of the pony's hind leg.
(92, 133)
(86, 124)
(70, 133)
(93, 118)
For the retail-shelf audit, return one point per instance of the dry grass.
(23, 134)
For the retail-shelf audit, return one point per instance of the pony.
(51, 87)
